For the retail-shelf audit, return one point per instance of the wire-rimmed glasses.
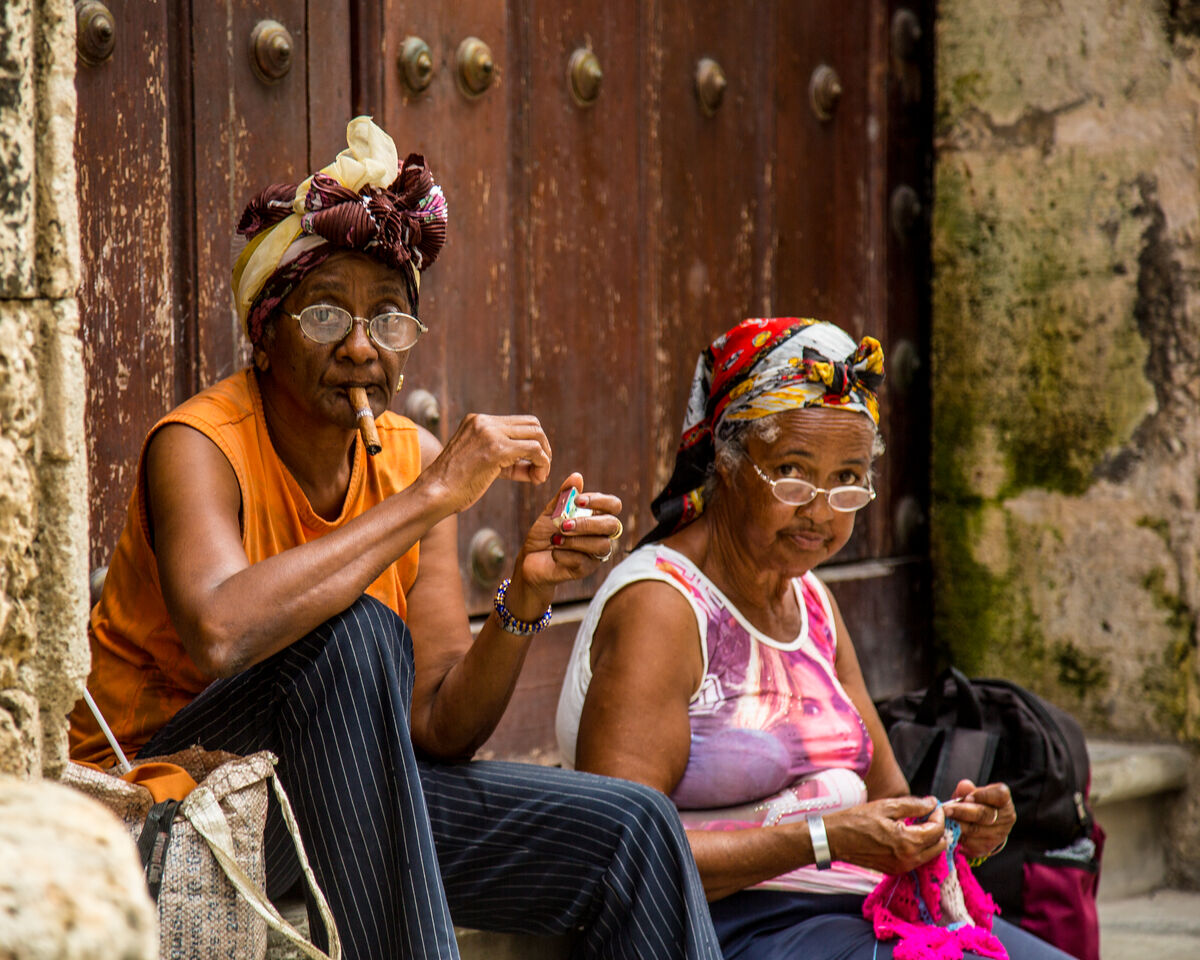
(325, 323)
(796, 492)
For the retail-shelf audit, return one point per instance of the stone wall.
(43, 510)
(1066, 350)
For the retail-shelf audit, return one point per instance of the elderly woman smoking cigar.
(277, 588)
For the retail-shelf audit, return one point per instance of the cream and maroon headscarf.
(365, 200)
(760, 367)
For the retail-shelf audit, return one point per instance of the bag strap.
(205, 814)
(153, 841)
(965, 755)
(970, 711)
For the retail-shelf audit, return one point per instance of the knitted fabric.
(938, 911)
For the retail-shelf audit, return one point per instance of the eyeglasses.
(328, 324)
(799, 492)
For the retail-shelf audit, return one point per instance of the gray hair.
(732, 451)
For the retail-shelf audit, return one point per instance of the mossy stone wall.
(1066, 354)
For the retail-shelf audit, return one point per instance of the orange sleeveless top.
(141, 675)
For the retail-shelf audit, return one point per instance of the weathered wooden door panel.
(583, 253)
(127, 298)
(248, 133)
(711, 229)
(468, 360)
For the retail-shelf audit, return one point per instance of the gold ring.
(620, 530)
(995, 816)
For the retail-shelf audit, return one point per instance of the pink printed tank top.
(773, 733)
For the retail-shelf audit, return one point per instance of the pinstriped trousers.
(405, 847)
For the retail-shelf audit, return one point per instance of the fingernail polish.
(557, 539)
(568, 524)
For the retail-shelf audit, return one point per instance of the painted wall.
(43, 509)
(1066, 350)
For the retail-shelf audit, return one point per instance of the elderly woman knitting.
(275, 587)
(716, 635)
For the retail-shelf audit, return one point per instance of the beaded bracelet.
(509, 623)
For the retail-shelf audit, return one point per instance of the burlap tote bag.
(212, 901)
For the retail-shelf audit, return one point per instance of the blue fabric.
(775, 925)
(522, 848)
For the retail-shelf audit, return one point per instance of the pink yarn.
(937, 911)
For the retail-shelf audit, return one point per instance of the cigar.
(366, 420)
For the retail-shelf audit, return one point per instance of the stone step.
(1163, 925)
(1132, 786)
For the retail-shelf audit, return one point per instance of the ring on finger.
(605, 556)
(620, 530)
(995, 816)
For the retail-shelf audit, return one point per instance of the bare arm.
(462, 686)
(230, 614)
(646, 664)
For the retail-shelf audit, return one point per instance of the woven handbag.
(205, 858)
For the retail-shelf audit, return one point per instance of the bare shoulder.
(186, 470)
(649, 629)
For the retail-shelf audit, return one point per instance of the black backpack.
(992, 730)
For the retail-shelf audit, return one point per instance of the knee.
(648, 811)
(366, 629)
(363, 647)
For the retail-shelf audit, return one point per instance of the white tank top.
(773, 734)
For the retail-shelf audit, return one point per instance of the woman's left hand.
(986, 813)
(550, 556)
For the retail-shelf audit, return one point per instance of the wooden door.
(595, 246)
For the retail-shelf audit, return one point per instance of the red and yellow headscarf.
(761, 367)
(365, 200)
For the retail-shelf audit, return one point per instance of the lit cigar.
(366, 420)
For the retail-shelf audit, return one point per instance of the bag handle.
(970, 711)
(205, 814)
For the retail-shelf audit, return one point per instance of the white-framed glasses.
(324, 323)
(797, 493)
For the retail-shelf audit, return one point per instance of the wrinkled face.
(314, 379)
(828, 448)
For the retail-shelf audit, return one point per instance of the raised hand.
(986, 813)
(550, 557)
(875, 834)
(484, 448)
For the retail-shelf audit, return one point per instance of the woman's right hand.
(484, 448)
(875, 834)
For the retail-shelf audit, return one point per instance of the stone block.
(63, 658)
(20, 403)
(57, 209)
(79, 893)
(19, 733)
(18, 112)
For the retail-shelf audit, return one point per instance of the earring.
(400, 383)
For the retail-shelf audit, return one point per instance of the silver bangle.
(820, 841)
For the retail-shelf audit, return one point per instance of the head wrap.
(758, 368)
(365, 200)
